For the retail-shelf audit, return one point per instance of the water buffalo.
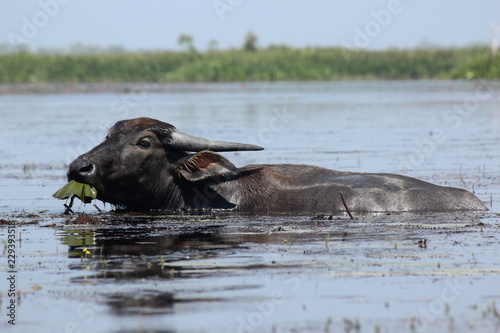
(147, 164)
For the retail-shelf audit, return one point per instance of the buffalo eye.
(144, 144)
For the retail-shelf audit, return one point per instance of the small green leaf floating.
(84, 192)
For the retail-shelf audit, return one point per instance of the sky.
(156, 25)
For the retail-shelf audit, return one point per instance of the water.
(228, 273)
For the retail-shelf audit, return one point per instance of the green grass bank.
(272, 64)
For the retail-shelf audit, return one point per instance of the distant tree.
(186, 40)
(117, 49)
(17, 48)
(250, 42)
(213, 45)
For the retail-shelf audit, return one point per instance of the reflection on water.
(153, 249)
(142, 302)
(144, 263)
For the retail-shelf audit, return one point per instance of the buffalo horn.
(187, 142)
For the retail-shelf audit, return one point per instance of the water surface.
(221, 272)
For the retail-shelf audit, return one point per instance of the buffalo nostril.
(79, 169)
(86, 169)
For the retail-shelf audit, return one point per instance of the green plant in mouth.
(84, 192)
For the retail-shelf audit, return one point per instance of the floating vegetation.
(28, 169)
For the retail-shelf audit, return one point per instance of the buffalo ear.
(204, 165)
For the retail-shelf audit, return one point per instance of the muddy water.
(219, 272)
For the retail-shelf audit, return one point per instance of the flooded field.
(101, 270)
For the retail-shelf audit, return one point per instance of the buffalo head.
(144, 163)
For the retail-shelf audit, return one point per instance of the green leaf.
(84, 192)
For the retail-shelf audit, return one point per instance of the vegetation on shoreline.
(271, 64)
